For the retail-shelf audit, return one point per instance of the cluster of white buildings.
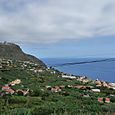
(104, 84)
(5, 63)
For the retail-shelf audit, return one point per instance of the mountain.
(14, 52)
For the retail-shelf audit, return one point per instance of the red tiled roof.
(5, 87)
(10, 90)
(107, 99)
(100, 99)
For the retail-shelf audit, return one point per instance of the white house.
(69, 76)
(96, 90)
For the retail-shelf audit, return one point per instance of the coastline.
(103, 71)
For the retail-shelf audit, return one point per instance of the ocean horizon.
(99, 70)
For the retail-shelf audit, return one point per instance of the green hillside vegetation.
(42, 101)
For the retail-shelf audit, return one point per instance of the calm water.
(103, 71)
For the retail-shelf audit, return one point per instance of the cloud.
(47, 21)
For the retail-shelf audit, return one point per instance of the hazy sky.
(60, 28)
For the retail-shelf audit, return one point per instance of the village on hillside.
(86, 84)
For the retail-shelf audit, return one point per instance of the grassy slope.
(46, 102)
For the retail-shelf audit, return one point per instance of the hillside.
(14, 52)
(29, 89)
(47, 92)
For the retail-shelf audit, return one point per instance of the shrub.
(18, 99)
(113, 99)
(42, 110)
(18, 111)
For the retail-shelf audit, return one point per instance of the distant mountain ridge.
(14, 52)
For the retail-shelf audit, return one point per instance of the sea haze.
(101, 70)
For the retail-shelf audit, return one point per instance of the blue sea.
(99, 70)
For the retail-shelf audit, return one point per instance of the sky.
(60, 28)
